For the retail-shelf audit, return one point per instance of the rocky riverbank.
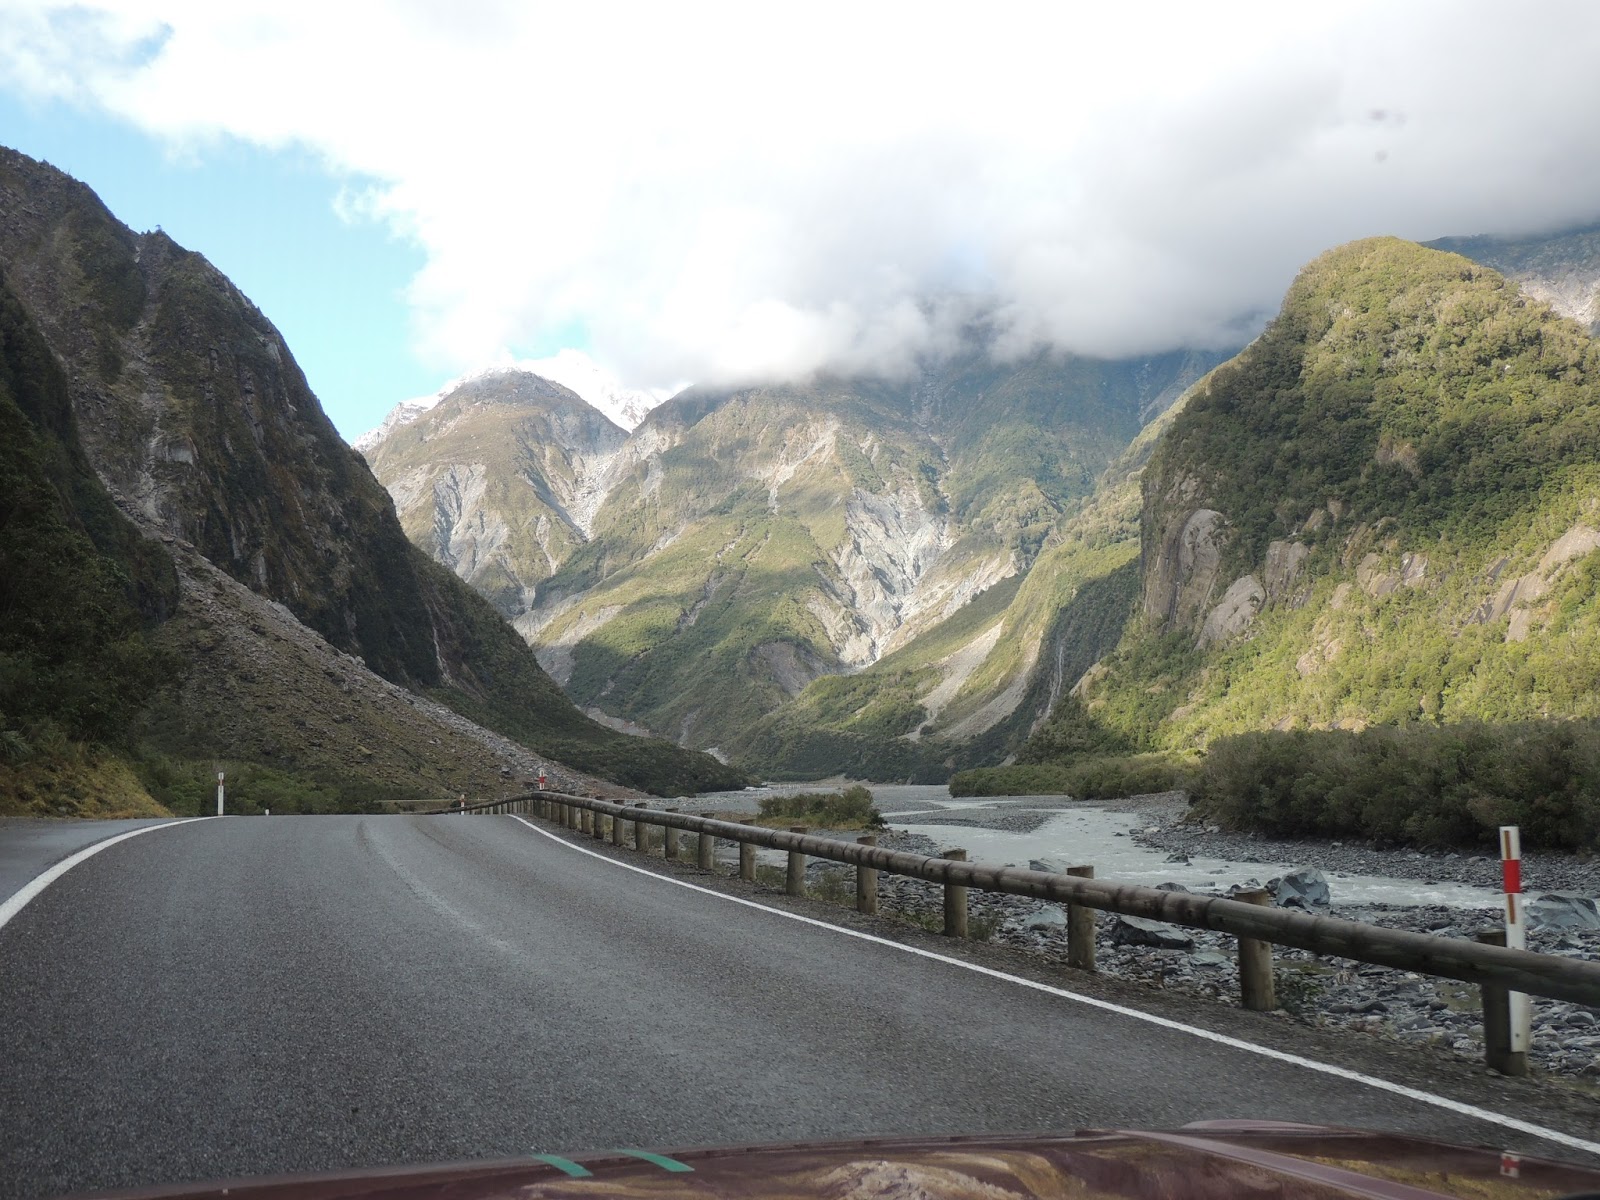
(1169, 828)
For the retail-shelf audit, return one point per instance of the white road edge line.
(19, 899)
(1310, 1064)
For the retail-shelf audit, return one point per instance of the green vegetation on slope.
(75, 661)
(1035, 635)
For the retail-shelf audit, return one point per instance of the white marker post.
(219, 793)
(1516, 930)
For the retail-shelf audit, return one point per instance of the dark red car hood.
(1222, 1160)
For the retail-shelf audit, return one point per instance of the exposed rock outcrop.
(1182, 576)
(1234, 612)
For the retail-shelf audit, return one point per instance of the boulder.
(1138, 931)
(1211, 958)
(1045, 864)
(1564, 910)
(1171, 887)
(1234, 612)
(1303, 887)
(1049, 917)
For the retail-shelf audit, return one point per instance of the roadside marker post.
(219, 793)
(1516, 929)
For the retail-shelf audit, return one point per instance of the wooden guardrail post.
(1080, 927)
(955, 901)
(794, 883)
(747, 859)
(641, 833)
(618, 828)
(1256, 988)
(1497, 1051)
(669, 840)
(867, 881)
(597, 826)
(704, 849)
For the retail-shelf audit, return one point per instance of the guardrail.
(1248, 916)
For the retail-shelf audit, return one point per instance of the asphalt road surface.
(254, 995)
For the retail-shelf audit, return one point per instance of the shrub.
(851, 809)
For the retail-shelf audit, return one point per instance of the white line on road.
(19, 899)
(1310, 1064)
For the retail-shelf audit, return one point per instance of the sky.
(729, 192)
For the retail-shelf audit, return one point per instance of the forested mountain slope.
(1386, 509)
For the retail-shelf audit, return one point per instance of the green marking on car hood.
(660, 1160)
(564, 1164)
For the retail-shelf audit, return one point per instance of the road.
(254, 995)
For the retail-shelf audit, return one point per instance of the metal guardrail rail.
(1497, 969)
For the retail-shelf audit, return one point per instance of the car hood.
(1224, 1160)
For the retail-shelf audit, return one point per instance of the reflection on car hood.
(1218, 1160)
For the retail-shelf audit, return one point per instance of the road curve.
(254, 995)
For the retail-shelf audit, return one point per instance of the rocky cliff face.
(500, 480)
(192, 411)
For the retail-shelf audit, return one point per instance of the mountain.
(191, 414)
(499, 481)
(1385, 510)
(736, 546)
(571, 369)
(1562, 269)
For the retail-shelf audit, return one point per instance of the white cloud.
(715, 191)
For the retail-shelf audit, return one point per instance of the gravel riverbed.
(1375, 1001)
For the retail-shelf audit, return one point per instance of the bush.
(851, 809)
(1418, 784)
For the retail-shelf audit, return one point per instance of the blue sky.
(266, 219)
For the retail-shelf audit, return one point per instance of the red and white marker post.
(541, 781)
(1516, 930)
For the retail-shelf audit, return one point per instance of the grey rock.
(1171, 887)
(1303, 887)
(1049, 917)
(1138, 931)
(1564, 910)
(1210, 958)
